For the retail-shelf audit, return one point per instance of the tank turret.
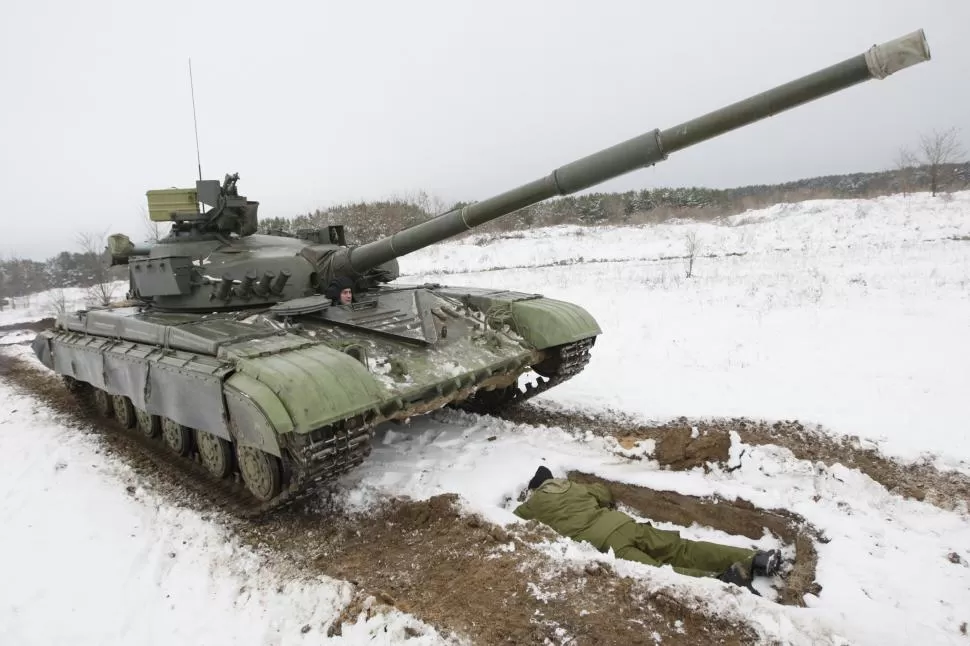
(212, 260)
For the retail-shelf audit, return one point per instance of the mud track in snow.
(678, 450)
(450, 569)
(33, 326)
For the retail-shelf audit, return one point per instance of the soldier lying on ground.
(588, 513)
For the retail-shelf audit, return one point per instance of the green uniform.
(585, 513)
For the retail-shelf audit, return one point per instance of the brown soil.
(676, 449)
(424, 557)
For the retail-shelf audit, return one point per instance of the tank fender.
(542, 322)
(547, 322)
(254, 411)
(304, 388)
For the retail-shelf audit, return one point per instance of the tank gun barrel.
(645, 150)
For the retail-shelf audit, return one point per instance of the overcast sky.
(316, 103)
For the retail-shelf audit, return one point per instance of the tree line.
(87, 268)
(366, 221)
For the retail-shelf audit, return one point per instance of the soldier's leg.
(668, 547)
(622, 542)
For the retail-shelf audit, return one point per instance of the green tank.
(234, 351)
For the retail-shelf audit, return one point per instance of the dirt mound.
(682, 449)
(679, 446)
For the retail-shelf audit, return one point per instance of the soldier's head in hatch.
(341, 291)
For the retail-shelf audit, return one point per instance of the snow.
(47, 304)
(851, 314)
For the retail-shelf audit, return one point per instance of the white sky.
(315, 103)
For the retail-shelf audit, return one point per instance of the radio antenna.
(195, 122)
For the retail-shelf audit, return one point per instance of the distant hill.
(369, 220)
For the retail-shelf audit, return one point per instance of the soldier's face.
(346, 296)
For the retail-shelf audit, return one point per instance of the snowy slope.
(852, 314)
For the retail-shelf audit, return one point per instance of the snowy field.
(46, 304)
(851, 314)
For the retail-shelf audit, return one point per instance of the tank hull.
(305, 385)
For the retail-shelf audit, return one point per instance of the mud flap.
(41, 345)
(546, 322)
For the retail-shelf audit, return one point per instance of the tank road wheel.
(177, 437)
(260, 471)
(82, 392)
(149, 425)
(215, 453)
(102, 403)
(124, 410)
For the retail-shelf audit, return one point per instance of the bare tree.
(427, 202)
(693, 246)
(154, 231)
(905, 164)
(99, 275)
(57, 302)
(939, 148)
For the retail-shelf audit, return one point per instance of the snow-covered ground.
(851, 314)
(46, 304)
(854, 314)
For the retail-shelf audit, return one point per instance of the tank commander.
(588, 513)
(340, 291)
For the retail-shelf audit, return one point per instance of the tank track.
(565, 363)
(329, 459)
(329, 456)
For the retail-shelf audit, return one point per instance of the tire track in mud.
(452, 570)
(678, 449)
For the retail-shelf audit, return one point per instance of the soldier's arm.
(523, 511)
(602, 494)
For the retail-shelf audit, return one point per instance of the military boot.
(766, 563)
(738, 574)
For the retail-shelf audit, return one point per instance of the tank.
(237, 352)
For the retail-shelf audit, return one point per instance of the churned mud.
(679, 447)
(462, 574)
